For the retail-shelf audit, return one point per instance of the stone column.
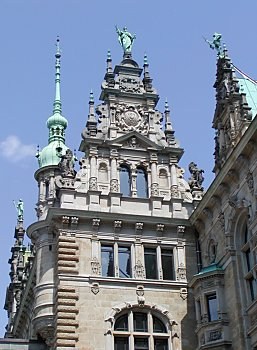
(114, 187)
(154, 179)
(93, 172)
(174, 180)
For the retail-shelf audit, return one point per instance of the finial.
(58, 50)
(145, 59)
(109, 56)
(91, 97)
(126, 39)
(166, 105)
(57, 100)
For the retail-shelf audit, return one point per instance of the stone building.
(126, 254)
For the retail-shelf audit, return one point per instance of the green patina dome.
(55, 120)
(50, 155)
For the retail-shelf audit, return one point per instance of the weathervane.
(216, 44)
(126, 39)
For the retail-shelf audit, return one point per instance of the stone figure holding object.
(196, 178)
(126, 39)
(20, 209)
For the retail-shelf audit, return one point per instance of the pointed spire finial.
(91, 97)
(145, 59)
(109, 56)
(57, 100)
(167, 109)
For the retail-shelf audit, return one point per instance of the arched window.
(103, 173)
(142, 186)
(248, 263)
(137, 330)
(125, 181)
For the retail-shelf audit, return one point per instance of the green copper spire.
(50, 155)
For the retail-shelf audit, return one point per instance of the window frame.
(132, 334)
(116, 264)
(159, 261)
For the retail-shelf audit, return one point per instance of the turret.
(50, 156)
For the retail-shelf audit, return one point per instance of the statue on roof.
(196, 178)
(126, 39)
(216, 43)
(66, 164)
(20, 209)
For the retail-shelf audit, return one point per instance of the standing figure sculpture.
(196, 178)
(126, 39)
(20, 209)
(216, 44)
(66, 164)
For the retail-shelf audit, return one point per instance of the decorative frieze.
(139, 270)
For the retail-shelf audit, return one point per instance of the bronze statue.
(126, 39)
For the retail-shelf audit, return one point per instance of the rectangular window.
(150, 263)
(141, 344)
(140, 322)
(212, 307)
(107, 258)
(160, 344)
(167, 264)
(121, 343)
(124, 257)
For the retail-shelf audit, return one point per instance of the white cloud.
(14, 150)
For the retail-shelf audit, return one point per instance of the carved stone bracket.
(139, 227)
(93, 184)
(183, 293)
(114, 185)
(95, 288)
(160, 228)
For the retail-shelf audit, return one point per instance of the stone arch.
(163, 178)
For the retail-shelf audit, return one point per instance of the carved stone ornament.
(66, 165)
(129, 118)
(114, 185)
(139, 226)
(133, 142)
(96, 223)
(128, 84)
(154, 190)
(74, 220)
(160, 227)
(250, 182)
(221, 219)
(93, 184)
(141, 301)
(181, 273)
(65, 220)
(174, 191)
(139, 270)
(117, 224)
(181, 229)
(183, 293)
(215, 335)
(95, 288)
(140, 291)
(95, 266)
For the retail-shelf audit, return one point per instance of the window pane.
(212, 307)
(124, 262)
(122, 323)
(107, 255)
(140, 322)
(253, 288)
(141, 343)
(150, 263)
(160, 344)
(141, 184)
(158, 326)
(121, 343)
(125, 181)
(167, 264)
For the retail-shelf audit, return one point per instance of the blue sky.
(181, 64)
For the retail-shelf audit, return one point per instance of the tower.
(113, 246)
